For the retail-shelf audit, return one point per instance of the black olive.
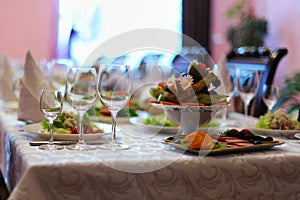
(257, 142)
(169, 138)
(216, 83)
(269, 138)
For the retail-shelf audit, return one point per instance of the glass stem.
(246, 108)
(114, 126)
(81, 134)
(51, 132)
(246, 104)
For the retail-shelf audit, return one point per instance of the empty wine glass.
(114, 85)
(247, 83)
(51, 104)
(82, 94)
(270, 95)
(229, 81)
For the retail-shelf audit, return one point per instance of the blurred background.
(54, 29)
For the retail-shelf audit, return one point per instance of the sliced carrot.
(153, 101)
(220, 104)
(189, 104)
(168, 103)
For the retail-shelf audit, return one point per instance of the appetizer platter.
(230, 141)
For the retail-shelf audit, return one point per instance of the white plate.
(107, 120)
(138, 121)
(36, 128)
(276, 133)
(153, 128)
(297, 135)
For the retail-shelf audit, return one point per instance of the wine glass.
(82, 94)
(247, 83)
(51, 104)
(270, 95)
(229, 81)
(114, 85)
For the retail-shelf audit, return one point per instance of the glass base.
(51, 147)
(81, 147)
(111, 146)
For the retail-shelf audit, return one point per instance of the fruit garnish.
(198, 140)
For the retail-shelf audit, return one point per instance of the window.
(84, 25)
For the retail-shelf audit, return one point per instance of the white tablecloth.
(148, 170)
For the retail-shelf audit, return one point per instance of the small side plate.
(297, 135)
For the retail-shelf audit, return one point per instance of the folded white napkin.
(31, 85)
(7, 76)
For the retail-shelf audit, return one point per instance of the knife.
(38, 143)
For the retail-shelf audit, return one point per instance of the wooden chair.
(265, 62)
(4, 194)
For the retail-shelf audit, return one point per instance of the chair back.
(265, 62)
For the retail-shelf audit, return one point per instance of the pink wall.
(219, 25)
(29, 24)
(284, 31)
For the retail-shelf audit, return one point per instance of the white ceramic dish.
(297, 135)
(36, 128)
(107, 119)
(153, 128)
(138, 121)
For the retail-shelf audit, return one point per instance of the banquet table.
(148, 170)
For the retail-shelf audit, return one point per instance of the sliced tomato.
(162, 85)
(89, 129)
(104, 111)
(202, 66)
(99, 131)
(283, 127)
(74, 130)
